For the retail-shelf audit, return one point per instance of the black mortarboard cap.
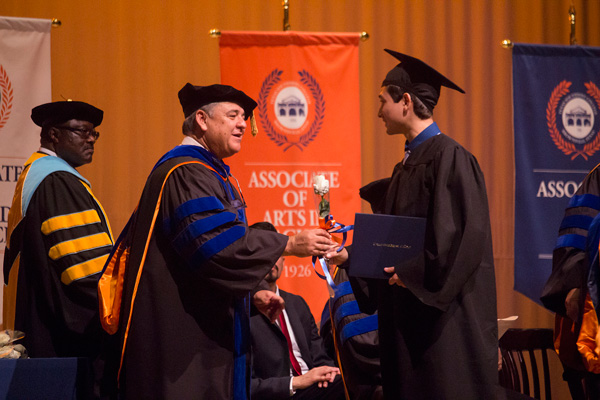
(62, 111)
(418, 78)
(193, 97)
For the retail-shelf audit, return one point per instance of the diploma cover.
(382, 240)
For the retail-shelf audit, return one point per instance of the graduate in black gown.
(437, 314)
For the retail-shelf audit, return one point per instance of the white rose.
(321, 185)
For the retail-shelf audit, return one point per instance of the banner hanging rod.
(508, 44)
(216, 33)
(286, 16)
(572, 38)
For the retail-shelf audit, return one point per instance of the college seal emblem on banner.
(6, 97)
(573, 120)
(291, 112)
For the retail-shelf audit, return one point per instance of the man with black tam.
(437, 313)
(58, 238)
(193, 262)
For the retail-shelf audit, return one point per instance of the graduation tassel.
(253, 126)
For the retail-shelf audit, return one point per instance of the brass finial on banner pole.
(56, 23)
(508, 44)
(572, 40)
(286, 15)
(214, 33)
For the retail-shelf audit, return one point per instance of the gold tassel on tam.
(253, 126)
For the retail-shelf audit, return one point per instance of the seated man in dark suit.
(309, 373)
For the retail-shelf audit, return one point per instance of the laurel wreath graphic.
(558, 92)
(273, 78)
(7, 97)
(567, 147)
(265, 89)
(594, 146)
(315, 90)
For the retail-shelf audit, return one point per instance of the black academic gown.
(178, 332)
(569, 262)
(570, 267)
(439, 337)
(53, 262)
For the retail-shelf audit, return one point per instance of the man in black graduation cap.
(437, 314)
(184, 331)
(58, 238)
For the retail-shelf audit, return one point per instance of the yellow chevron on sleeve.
(101, 208)
(83, 269)
(80, 244)
(70, 221)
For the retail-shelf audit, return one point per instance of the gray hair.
(190, 124)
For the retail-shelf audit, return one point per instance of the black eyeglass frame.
(82, 133)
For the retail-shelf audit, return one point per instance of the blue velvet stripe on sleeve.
(200, 227)
(571, 240)
(196, 206)
(346, 309)
(358, 327)
(217, 244)
(343, 289)
(585, 200)
(190, 207)
(576, 221)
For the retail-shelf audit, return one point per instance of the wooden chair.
(514, 373)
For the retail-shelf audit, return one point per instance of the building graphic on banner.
(572, 119)
(291, 112)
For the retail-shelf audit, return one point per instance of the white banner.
(24, 83)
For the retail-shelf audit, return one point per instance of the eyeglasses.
(82, 133)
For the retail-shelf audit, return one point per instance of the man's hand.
(314, 242)
(572, 304)
(268, 303)
(335, 258)
(394, 280)
(321, 375)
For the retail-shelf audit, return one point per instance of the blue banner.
(556, 98)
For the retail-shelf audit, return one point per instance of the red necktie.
(295, 365)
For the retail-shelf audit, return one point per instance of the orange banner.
(306, 87)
